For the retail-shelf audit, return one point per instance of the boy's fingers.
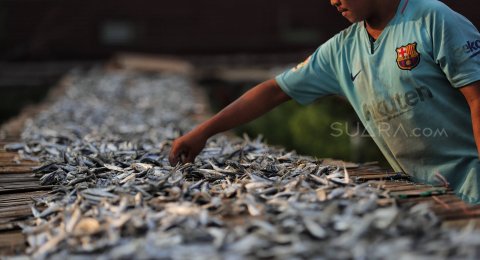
(183, 157)
(190, 158)
(178, 156)
(173, 157)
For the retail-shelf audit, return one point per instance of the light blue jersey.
(404, 88)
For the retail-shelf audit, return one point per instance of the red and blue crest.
(408, 57)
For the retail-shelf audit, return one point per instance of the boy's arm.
(254, 103)
(472, 94)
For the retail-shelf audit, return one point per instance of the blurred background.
(232, 46)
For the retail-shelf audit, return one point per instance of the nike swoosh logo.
(356, 75)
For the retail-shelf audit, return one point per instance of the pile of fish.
(104, 147)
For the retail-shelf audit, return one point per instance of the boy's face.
(354, 10)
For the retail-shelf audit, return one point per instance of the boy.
(410, 69)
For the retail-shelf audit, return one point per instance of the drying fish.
(104, 146)
(13, 147)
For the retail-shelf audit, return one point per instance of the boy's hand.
(186, 148)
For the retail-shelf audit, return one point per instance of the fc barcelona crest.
(408, 57)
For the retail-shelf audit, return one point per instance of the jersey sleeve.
(311, 79)
(456, 46)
